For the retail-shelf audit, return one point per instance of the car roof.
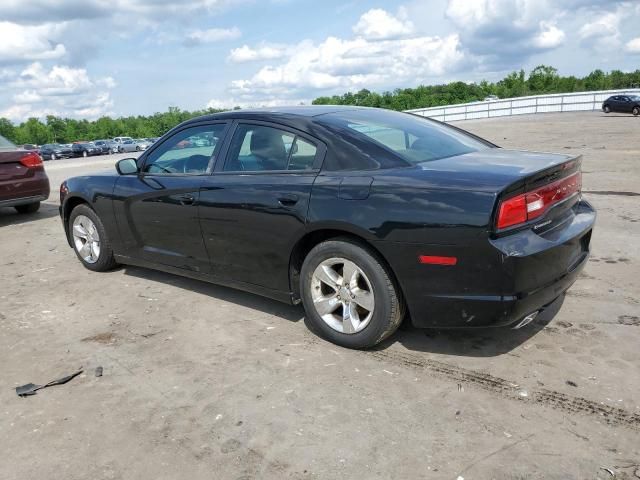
(292, 112)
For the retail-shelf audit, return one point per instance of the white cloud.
(378, 24)
(20, 43)
(212, 35)
(245, 53)
(59, 90)
(549, 36)
(351, 64)
(633, 45)
(507, 32)
(603, 32)
(233, 102)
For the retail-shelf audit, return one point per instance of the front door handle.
(288, 200)
(187, 199)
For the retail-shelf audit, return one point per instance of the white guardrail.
(557, 102)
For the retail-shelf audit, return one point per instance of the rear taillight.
(31, 160)
(534, 204)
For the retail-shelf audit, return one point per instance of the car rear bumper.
(16, 202)
(517, 275)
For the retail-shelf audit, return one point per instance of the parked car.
(623, 104)
(53, 151)
(129, 146)
(142, 143)
(491, 98)
(31, 147)
(152, 139)
(368, 215)
(104, 146)
(120, 140)
(23, 181)
(85, 149)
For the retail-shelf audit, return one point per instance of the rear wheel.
(349, 295)
(85, 154)
(606, 109)
(30, 208)
(53, 156)
(636, 111)
(90, 240)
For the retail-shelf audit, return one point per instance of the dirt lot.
(202, 381)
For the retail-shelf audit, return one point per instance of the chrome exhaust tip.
(527, 320)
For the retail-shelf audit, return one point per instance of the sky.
(89, 58)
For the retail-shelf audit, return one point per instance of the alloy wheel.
(86, 238)
(342, 295)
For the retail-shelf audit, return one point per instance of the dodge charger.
(366, 216)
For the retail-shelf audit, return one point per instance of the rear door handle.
(288, 200)
(187, 199)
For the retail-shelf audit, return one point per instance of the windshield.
(415, 139)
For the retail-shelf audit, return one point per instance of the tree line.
(542, 79)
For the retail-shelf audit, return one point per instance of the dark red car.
(23, 181)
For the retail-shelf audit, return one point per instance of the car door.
(254, 206)
(625, 104)
(157, 210)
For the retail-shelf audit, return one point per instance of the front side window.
(258, 148)
(414, 139)
(188, 151)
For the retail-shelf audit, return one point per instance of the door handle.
(288, 200)
(187, 199)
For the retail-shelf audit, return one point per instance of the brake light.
(534, 204)
(31, 160)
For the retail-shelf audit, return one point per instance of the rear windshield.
(6, 144)
(415, 139)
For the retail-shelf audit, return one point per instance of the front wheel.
(30, 208)
(53, 156)
(85, 154)
(606, 109)
(349, 294)
(635, 111)
(90, 240)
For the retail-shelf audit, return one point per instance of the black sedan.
(363, 215)
(53, 151)
(623, 104)
(85, 149)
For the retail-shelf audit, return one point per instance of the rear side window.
(6, 144)
(414, 139)
(258, 148)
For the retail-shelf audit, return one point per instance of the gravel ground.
(205, 382)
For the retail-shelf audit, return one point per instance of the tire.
(104, 260)
(137, 149)
(30, 208)
(374, 277)
(85, 154)
(53, 156)
(606, 109)
(635, 111)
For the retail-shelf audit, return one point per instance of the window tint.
(257, 148)
(414, 139)
(188, 151)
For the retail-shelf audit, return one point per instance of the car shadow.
(9, 215)
(616, 115)
(292, 313)
(479, 342)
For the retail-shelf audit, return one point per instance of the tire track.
(549, 398)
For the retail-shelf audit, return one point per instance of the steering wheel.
(197, 163)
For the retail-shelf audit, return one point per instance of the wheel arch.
(314, 237)
(70, 203)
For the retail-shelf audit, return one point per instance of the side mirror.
(127, 166)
